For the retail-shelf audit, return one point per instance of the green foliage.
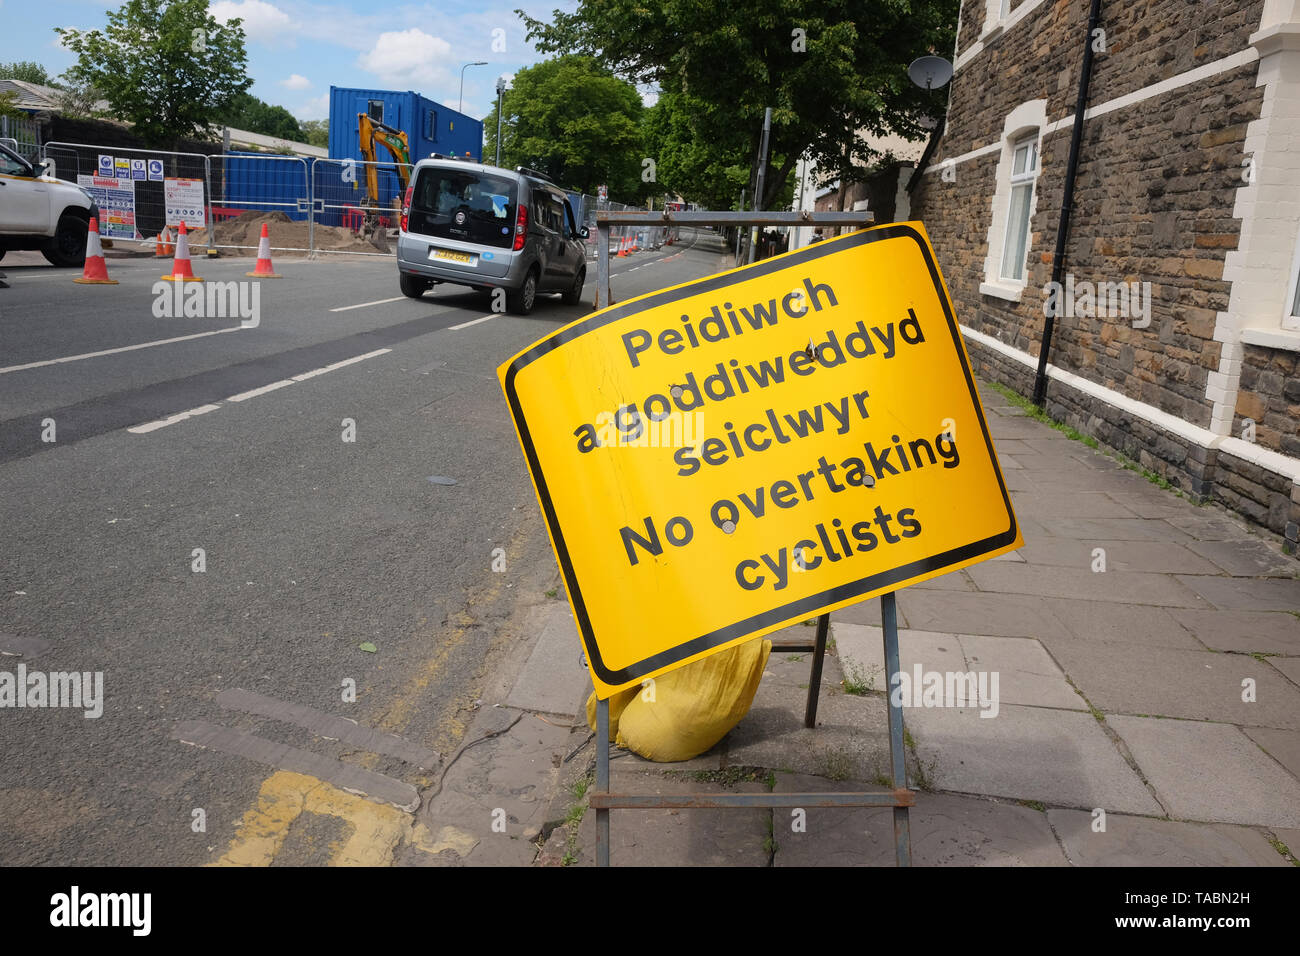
(316, 132)
(27, 71)
(9, 106)
(576, 122)
(832, 71)
(249, 113)
(168, 68)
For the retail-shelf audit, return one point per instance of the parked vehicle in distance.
(489, 228)
(41, 212)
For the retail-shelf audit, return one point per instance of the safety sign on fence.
(726, 457)
(116, 201)
(183, 199)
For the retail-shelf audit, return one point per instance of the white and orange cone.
(163, 248)
(264, 269)
(181, 269)
(95, 271)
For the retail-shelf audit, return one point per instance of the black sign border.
(813, 603)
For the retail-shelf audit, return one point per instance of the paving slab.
(1026, 673)
(1209, 524)
(851, 740)
(1290, 666)
(1141, 841)
(1170, 682)
(1153, 503)
(1210, 772)
(946, 830)
(677, 837)
(1132, 624)
(1247, 557)
(1246, 594)
(1058, 757)
(1248, 632)
(999, 615)
(1086, 504)
(1124, 587)
(1116, 529)
(554, 676)
(1122, 557)
(1282, 745)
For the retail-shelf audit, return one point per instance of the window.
(431, 125)
(1004, 9)
(1024, 170)
(375, 110)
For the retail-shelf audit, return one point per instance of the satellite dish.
(930, 72)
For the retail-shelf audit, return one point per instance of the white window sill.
(993, 32)
(1272, 338)
(1002, 290)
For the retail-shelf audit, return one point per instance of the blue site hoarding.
(430, 127)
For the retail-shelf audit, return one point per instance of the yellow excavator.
(369, 132)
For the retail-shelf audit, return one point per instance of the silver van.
(489, 228)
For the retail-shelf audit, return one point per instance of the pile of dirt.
(245, 230)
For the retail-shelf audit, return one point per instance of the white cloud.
(408, 58)
(318, 107)
(296, 82)
(263, 22)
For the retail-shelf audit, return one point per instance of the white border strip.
(1203, 72)
(1263, 457)
(124, 348)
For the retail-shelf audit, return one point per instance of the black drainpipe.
(1067, 202)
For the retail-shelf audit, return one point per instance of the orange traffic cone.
(181, 270)
(96, 269)
(622, 248)
(264, 269)
(163, 247)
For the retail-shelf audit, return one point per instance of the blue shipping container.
(430, 127)
(266, 183)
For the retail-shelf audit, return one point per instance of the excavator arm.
(369, 132)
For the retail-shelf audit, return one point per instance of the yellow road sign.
(725, 457)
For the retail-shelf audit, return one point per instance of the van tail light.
(406, 207)
(521, 227)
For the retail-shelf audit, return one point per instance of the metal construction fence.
(23, 136)
(312, 205)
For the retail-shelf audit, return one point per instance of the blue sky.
(298, 48)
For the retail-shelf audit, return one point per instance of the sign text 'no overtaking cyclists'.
(722, 458)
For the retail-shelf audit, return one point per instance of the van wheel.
(521, 301)
(574, 292)
(412, 286)
(68, 247)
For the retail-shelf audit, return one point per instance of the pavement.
(1147, 652)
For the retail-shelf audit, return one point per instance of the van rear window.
(465, 205)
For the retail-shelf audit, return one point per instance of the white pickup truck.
(41, 212)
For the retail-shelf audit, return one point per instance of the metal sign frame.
(602, 799)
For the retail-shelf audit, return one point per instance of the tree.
(251, 114)
(316, 132)
(168, 68)
(576, 122)
(831, 70)
(28, 72)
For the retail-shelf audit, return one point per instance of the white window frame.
(1291, 303)
(1026, 121)
(1026, 179)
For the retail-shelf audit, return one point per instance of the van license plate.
(461, 257)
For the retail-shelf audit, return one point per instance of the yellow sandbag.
(616, 704)
(694, 707)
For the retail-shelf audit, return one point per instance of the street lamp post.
(460, 106)
(501, 92)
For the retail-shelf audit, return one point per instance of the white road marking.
(329, 368)
(172, 420)
(466, 325)
(125, 348)
(253, 393)
(260, 391)
(362, 305)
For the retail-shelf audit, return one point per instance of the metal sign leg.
(897, 755)
(603, 297)
(602, 781)
(815, 678)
